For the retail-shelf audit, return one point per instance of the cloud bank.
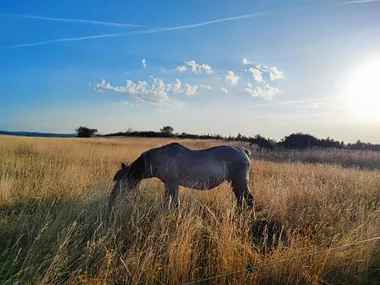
(160, 93)
(155, 93)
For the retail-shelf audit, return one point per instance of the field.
(54, 226)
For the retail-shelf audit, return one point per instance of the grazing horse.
(177, 165)
(261, 143)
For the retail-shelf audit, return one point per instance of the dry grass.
(54, 228)
(343, 157)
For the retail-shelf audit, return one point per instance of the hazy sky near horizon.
(220, 67)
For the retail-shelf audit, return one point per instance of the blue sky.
(219, 67)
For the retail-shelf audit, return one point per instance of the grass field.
(54, 226)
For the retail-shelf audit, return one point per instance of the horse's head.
(121, 173)
(122, 182)
(252, 142)
(128, 177)
(123, 178)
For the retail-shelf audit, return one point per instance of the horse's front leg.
(171, 195)
(114, 193)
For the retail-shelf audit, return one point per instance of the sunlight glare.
(364, 91)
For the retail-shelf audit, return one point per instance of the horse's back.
(219, 161)
(218, 153)
(195, 158)
(200, 169)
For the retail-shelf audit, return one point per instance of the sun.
(363, 94)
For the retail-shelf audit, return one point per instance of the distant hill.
(36, 134)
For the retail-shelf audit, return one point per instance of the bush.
(84, 132)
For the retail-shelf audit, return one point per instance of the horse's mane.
(246, 151)
(137, 168)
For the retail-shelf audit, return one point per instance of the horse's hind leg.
(239, 194)
(241, 190)
(171, 195)
(249, 198)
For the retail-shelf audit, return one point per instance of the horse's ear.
(124, 166)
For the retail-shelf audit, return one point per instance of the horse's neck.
(262, 142)
(138, 169)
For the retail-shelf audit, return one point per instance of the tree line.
(292, 141)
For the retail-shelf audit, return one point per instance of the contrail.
(65, 40)
(357, 2)
(91, 22)
(158, 30)
(167, 29)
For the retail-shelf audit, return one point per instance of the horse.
(175, 165)
(261, 143)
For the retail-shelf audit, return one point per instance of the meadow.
(54, 226)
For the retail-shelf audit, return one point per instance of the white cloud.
(266, 91)
(256, 74)
(224, 90)
(155, 93)
(170, 105)
(231, 78)
(199, 68)
(144, 62)
(176, 88)
(144, 92)
(274, 73)
(181, 68)
(245, 61)
(205, 86)
(193, 65)
(127, 103)
(206, 68)
(190, 90)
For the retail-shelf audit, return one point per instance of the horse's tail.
(246, 151)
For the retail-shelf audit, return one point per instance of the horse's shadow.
(267, 235)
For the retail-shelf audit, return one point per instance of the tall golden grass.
(343, 157)
(55, 229)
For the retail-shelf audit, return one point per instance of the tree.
(299, 141)
(84, 132)
(167, 130)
